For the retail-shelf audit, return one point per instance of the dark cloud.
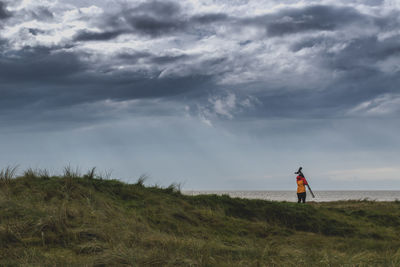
(359, 78)
(325, 18)
(373, 2)
(357, 65)
(75, 103)
(333, 101)
(159, 87)
(156, 19)
(40, 79)
(42, 14)
(245, 43)
(53, 77)
(3, 44)
(161, 9)
(167, 59)
(389, 22)
(154, 26)
(133, 56)
(153, 19)
(308, 43)
(38, 64)
(311, 18)
(4, 13)
(32, 75)
(209, 18)
(357, 57)
(97, 36)
(363, 53)
(36, 31)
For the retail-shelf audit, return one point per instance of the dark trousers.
(301, 197)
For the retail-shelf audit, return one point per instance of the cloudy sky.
(213, 94)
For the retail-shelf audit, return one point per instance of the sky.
(210, 94)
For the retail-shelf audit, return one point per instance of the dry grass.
(87, 221)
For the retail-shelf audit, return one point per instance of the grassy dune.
(87, 221)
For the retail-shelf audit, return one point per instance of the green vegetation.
(74, 220)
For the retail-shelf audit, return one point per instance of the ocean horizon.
(291, 196)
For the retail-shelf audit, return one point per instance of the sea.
(320, 196)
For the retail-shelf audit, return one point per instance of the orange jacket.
(301, 183)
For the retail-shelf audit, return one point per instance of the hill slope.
(69, 221)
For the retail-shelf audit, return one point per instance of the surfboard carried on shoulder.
(308, 186)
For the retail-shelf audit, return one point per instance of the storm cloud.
(152, 19)
(4, 13)
(97, 36)
(313, 18)
(360, 59)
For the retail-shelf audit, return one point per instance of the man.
(301, 186)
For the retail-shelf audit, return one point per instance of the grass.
(74, 220)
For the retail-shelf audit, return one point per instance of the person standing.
(301, 186)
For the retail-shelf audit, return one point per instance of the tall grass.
(37, 173)
(143, 178)
(75, 220)
(91, 174)
(70, 172)
(7, 174)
